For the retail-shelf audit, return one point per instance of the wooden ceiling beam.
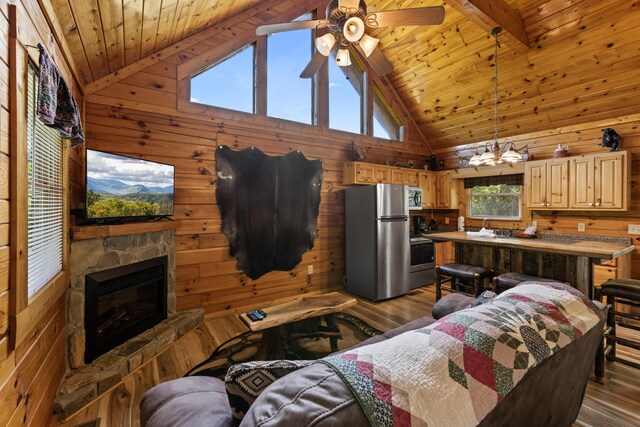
(489, 14)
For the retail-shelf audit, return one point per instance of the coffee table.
(274, 337)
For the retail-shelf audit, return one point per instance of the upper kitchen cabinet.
(547, 184)
(427, 181)
(598, 181)
(366, 173)
(404, 176)
(443, 191)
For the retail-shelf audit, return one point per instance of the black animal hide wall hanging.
(269, 207)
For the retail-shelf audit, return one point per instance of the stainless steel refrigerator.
(377, 233)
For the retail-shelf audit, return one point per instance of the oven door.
(422, 256)
(414, 196)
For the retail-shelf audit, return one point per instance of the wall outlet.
(581, 226)
(446, 220)
(634, 229)
(310, 269)
(534, 224)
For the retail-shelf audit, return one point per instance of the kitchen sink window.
(497, 197)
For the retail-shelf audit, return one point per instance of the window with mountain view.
(229, 83)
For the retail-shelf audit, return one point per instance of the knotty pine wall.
(581, 139)
(139, 116)
(31, 372)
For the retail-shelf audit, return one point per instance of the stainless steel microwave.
(414, 195)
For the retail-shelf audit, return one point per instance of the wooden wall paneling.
(112, 22)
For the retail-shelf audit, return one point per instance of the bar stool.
(461, 276)
(508, 280)
(626, 292)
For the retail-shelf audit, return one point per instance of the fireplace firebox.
(123, 302)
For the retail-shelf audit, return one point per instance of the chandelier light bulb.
(368, 44)
(343, 59)
(325, 43)
(353, 29)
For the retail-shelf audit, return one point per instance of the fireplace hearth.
(123, 302)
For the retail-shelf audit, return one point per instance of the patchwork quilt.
(455, 371)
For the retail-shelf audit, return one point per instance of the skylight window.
(229, 83)
(288, 96)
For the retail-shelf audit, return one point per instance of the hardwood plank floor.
(613, 401)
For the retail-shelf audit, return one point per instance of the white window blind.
(45, 191)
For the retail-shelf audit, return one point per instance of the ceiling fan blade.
(419, 16)
(313, 66)
(263, 30)
(348, 6)
(380, 64)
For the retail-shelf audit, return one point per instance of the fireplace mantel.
(82, 232)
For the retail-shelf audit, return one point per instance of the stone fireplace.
(95, 258)
(96, 255)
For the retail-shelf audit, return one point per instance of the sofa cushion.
(193, 401)
(245, 381)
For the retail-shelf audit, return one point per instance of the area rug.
(244, 347)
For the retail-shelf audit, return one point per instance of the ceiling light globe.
(511, 156)
(343, 59)
(325, 43)
(353, 29)
(368, 44)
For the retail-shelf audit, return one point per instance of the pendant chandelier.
(496, 154)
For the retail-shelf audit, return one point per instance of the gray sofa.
(549, 395)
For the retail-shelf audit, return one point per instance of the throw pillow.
(245, 381)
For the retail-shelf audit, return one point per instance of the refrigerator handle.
(394, 219)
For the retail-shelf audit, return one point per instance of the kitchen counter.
(566, 260)
(578, 248)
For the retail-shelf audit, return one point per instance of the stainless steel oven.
(422, 270)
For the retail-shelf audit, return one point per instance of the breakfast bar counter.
(567, 260)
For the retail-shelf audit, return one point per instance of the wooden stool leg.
(438, 284)
(611, 323)
(332, 326)
(476, 284)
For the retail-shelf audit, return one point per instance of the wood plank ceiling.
(583, 64)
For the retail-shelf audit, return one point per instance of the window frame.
(494, 217)
(27, 313)
(320, 87)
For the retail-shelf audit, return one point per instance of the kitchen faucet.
(483, 221)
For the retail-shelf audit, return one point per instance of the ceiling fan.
(346, 22)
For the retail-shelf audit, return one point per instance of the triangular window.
(229, 83)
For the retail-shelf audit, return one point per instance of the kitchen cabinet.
(445, 253)
(404, 176)
(443, 191)
(547, 184)
(596, 181)
(600, 181)
(427, 181)
(365, 173)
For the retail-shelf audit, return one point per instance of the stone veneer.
(91, 255)
(84, 383)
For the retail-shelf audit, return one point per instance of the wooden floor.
(611, 402)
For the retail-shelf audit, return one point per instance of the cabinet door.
(609, 182)
(445, 253)
(582, 182)
(398, 176)
(364, 173)
(382, 174)
(558, 184)
(412, 179)
(535, 179)
(443, 190)
(428, 185)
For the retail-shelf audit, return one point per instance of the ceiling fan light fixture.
(368, 44)
(325, 43)
(343, 59)
(353, 29)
